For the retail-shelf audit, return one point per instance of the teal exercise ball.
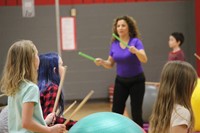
(106, 122)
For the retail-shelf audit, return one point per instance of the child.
(50, 70)
(19, 83)
(176, 39)
(172, 111)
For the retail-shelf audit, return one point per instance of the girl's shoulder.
(50, 87)
(181, 109)
(27, 84)
(180, 116)
(52, 84)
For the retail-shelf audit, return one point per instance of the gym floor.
(89, 108)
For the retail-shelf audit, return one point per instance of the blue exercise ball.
(106, 122)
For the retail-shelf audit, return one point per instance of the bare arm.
(139, 53)
(180, 129)
(109, 63)
(29, 124)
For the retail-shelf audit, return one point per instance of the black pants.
(135, 87)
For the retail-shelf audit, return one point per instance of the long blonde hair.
(20, 65)
(178, 80)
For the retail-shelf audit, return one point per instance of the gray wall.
(156, 20)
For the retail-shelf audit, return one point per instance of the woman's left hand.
(139, 53)
(133, 49)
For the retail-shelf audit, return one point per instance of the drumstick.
(152, 83)
(79, 106)
(198, 57)
(2, 95)
(86, 56)
(120, 40)
(69, 107)
(59, 90)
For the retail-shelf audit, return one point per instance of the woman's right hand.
(58, 128)
(98, 61)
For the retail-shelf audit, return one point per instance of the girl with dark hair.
(50, 70)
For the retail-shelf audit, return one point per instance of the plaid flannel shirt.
(47, 99)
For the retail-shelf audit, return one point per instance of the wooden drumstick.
(79, 106)
(59, 90)
(152, 83)
(2, 95)
(69, 107)
(198, 57)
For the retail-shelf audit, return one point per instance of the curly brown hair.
(132, 26)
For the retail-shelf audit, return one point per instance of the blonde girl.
(172, 111)
(19, 83)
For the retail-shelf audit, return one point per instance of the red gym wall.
(197, 13)
(75, 2)
(67, 2)
(94, 32)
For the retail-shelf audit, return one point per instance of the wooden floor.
(90, 108)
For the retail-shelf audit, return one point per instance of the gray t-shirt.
(4, 120)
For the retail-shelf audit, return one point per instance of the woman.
(130, 79)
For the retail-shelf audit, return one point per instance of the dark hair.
(48, 72)
(132, 26)
(178, 36)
